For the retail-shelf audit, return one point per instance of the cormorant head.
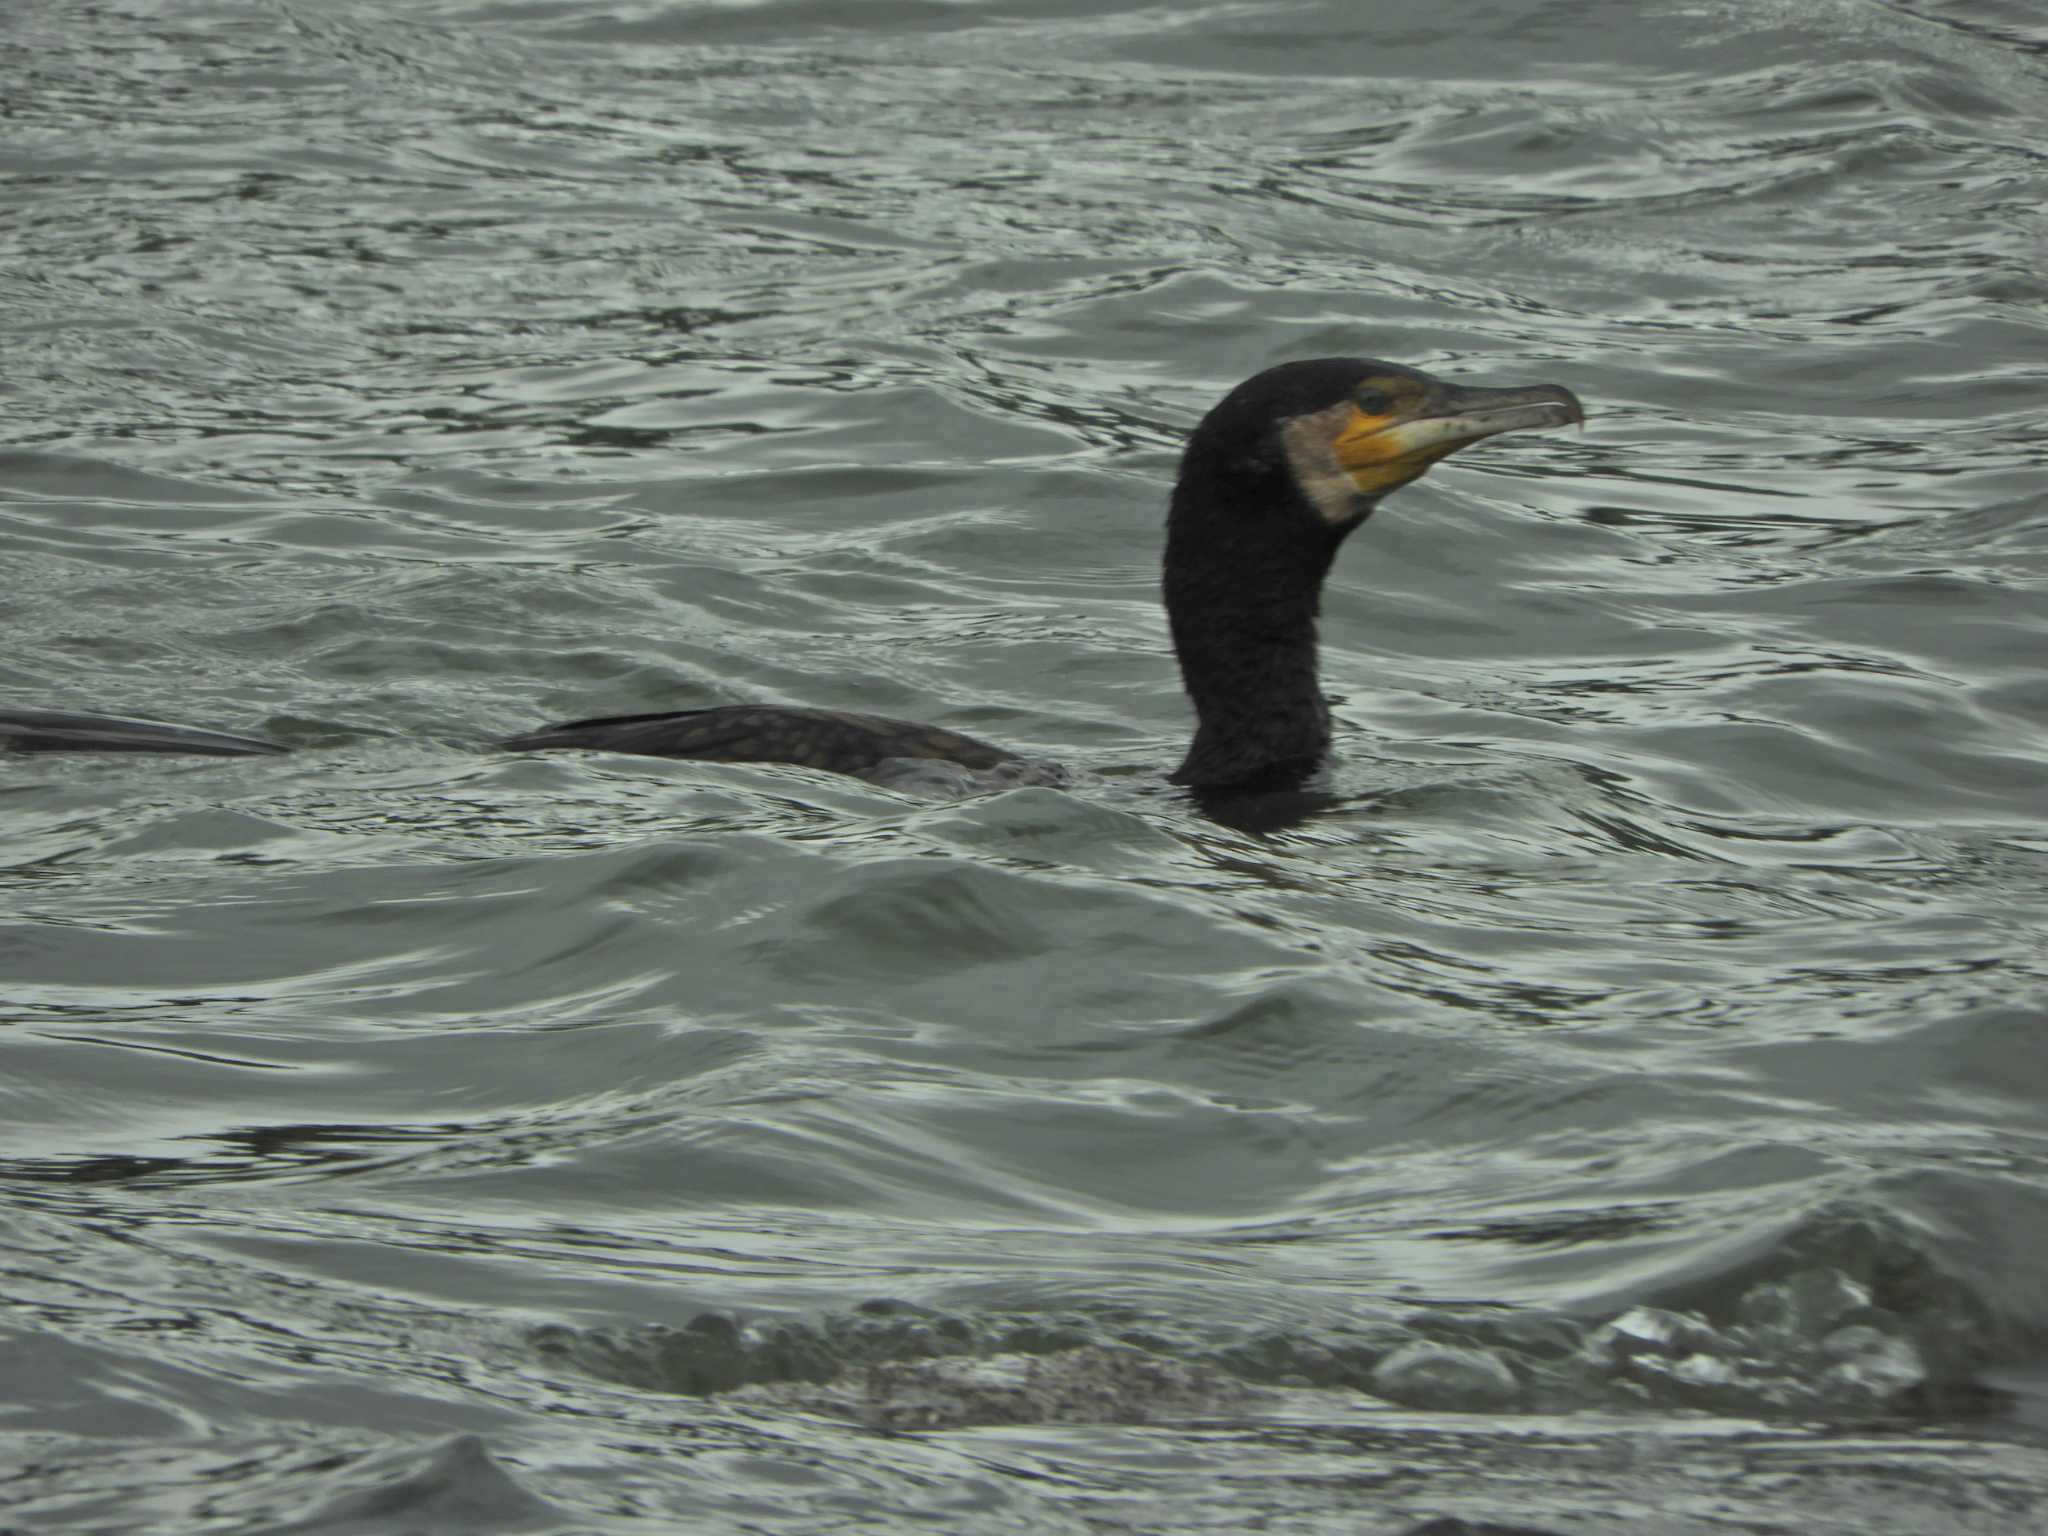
(1275, 476)
(1342, 432)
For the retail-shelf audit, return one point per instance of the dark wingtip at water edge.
(52, 730)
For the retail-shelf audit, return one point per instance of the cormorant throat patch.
(1311, 444)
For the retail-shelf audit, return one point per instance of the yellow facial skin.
(1385, 449)
(1391, 429)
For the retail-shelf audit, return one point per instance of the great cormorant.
(1272, 481)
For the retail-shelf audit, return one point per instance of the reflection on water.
(1614, 1088)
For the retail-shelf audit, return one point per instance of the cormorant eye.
(1374, 402)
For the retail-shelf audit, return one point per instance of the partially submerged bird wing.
(835, 739)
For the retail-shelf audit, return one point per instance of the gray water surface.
(1617, 1107)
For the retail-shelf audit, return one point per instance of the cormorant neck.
(1243, 585)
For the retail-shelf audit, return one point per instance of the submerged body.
(1272, 481)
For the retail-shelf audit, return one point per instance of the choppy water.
(1620, 1109)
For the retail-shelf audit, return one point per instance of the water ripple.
(1639, 1025)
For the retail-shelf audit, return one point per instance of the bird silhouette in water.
(1272, 481)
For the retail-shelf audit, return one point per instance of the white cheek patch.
(1313, 462)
